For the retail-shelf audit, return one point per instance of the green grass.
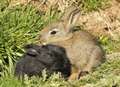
(92, 5)
(109, 45)
(17, 27)
(20, 25)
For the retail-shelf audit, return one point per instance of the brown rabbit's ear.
(71, 15)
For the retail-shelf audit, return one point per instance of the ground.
(21, 21)
(104, 22)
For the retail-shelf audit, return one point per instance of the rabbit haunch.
(82, 48)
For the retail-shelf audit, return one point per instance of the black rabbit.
(37, 58)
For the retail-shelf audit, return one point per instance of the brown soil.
(103, 22)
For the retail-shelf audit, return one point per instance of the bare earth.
(103, 22)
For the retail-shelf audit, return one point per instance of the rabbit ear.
(32, 52)
(71, 15)
(30, 49)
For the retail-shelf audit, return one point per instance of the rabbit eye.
(53, 32)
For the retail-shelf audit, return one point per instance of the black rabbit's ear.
(32, 52)
(31, 49)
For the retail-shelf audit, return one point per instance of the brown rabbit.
(82, 48)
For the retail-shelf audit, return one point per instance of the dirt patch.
(103, 22)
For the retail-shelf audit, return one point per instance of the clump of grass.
(109, 45)
(10, 82)
(19, 25)
(3, 4)
(91, 5)
(16, 30)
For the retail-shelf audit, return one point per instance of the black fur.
(37, 58)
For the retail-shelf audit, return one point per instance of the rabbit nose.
(42, 41)
(40, 37)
